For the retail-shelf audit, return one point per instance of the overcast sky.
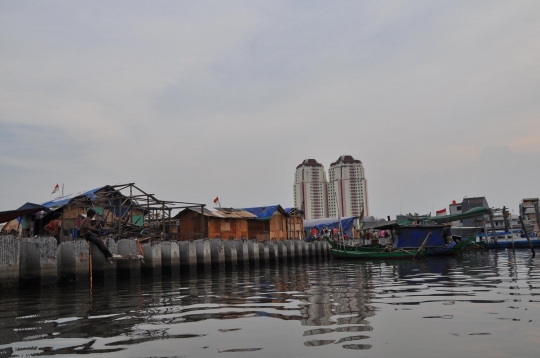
(197, 99)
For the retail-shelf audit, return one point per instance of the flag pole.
(62, 189)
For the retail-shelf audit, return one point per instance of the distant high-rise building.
(311, 189)
(348, 182)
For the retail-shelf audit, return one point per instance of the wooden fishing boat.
(409, 241)
(367, 252)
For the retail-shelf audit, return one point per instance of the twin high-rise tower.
(345, 189)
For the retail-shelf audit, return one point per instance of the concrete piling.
(152, 259)
(128, 268)
(101, 267)
(231, 258)
(282, 251)
(9, 261)
(38, 261)
(298, 249)
(264, 253)
(291, 253)
(188, 256)
(204, 256)
(318, 249)
(170, 257)
(73, 261)
(242, 252)
(273, 255)
(253, 250)
(305, 250)
(325, 249)
(311, 250)
(217, 254)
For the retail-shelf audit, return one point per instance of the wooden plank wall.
(296, 228)
(228, 230)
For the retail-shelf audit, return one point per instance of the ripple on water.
(266, 311)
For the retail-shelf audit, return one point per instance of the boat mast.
(340, 227)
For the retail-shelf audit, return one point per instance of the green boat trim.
(380, 254)
(374, 252)
(370, 252)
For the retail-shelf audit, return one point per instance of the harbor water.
(480, 304)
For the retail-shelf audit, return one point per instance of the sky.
(191, 100)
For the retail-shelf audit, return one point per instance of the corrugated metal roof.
(220, 213)
(235, 214)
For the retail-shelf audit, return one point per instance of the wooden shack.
(227, 224)
(295, 224)
(270, 223)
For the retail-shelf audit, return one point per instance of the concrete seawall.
(39, 260)
(9, 261)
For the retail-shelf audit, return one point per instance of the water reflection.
(383, 308)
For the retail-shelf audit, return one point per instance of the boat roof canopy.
(472, 213)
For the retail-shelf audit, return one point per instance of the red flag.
(440, 212)
(56, 188)
(216, 200)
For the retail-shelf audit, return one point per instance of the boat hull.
(375, 252)
(505, 244)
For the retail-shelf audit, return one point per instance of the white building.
(348, 182)
(311, 189)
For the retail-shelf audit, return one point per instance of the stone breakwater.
(38, 260)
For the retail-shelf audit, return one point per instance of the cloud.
(194, 100)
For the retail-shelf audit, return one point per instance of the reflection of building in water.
(338, 293)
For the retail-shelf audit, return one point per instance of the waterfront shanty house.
(124, 210)
(270, 223)
(295, 223)
(227, 224)
(13, 219)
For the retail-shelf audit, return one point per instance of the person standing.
(87, 231)
(54, 227)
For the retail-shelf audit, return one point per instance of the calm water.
(478, 305)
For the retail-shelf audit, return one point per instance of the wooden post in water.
(527, 235)
(423, 245)
(90, 261)
(506, 228)
(493, 229)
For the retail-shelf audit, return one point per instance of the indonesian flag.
(56, 188)
(216, 200)
(440, 212)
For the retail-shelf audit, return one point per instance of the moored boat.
(507, 239)
(406, 241)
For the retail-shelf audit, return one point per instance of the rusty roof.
(230, 213)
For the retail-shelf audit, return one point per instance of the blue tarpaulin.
(414, 236)
(347, 223)
(64, 200)
(264, 212)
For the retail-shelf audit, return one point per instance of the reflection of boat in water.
(507, 239)
(406, 241)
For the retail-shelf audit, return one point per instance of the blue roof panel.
(263, 212)
(64, 200)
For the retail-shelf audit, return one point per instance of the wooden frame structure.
(124, 210)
